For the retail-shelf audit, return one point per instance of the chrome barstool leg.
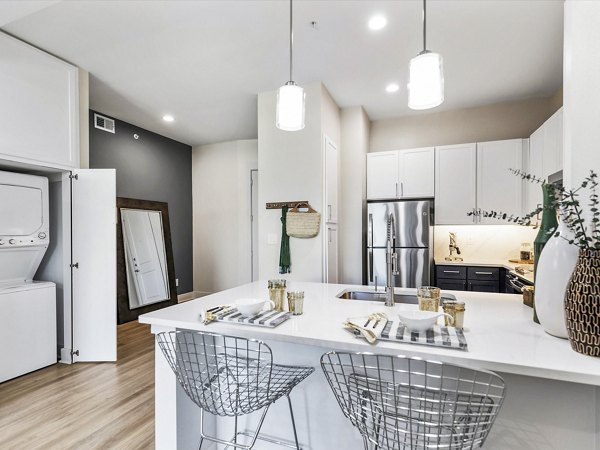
(366, 442)
(235, 430)
(293, 422)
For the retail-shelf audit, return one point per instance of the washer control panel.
(40, 238)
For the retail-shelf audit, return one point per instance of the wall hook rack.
(279, 205)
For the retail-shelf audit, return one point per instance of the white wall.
(290, 168)
(581, 90)
(353, 185)
(221, 204)
(499, 121)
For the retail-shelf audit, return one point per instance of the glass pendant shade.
(426, 82)
(290, 107)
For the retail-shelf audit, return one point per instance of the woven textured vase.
(582, 304)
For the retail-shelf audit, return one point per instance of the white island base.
(552, 401)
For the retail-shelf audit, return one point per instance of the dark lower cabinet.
(452, 285)
(483, 286)
(468, 278)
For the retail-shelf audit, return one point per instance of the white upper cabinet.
(545, 157)
(417, 174)
(553, 144)
(400, 174)
(331, 181)
(382, 176)
(455, 184)
(498, 189)
(39, 117)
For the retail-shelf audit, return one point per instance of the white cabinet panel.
(332, 269)
(39, 117)
(331, 181)
(94, 251)
(382, 175)
(455, 184)
(535, 166)
(553, 145)
(498, 189)
(417, 173)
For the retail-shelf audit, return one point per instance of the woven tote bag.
(303, 224)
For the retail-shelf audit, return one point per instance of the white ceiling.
(205, 61)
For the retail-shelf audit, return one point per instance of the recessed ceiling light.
(377, 22)
(392, 87)
(168, 118)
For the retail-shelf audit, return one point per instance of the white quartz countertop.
(528, 276)
(500, 333)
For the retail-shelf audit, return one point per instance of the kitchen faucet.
(453, 247)
(391, 260)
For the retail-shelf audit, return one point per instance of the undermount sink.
(372, 296)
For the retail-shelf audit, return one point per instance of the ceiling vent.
(104, 123)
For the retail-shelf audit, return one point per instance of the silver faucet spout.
(391, 260)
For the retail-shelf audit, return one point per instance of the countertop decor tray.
(269, 319)
(437, 336)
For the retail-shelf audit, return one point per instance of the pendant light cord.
(424, 26)
(291, 41)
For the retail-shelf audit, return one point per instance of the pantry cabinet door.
(498, 188)
(331, 180)
(382, 176)
(417, 173)
(39, 117)
(455, 184)
(95, 273)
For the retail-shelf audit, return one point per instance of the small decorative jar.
(277, 293)
(456, 310)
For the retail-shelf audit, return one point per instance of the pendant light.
(290, 97)
(426, 79)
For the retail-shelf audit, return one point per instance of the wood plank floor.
(85, 405)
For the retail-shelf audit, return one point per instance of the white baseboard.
(191, 296)
(65, 356)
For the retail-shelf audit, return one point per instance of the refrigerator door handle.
(370, 264)
(370, 231)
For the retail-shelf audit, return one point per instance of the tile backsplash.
(483, 241)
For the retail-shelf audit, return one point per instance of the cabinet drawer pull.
(451, 271)
(484, 273)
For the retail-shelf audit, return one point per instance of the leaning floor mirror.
(146, 275)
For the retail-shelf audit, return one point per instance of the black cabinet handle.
(451, 271)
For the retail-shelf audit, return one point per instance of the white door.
(553, 143)
(455, 184)
(498, 189)
(94, 295)
(331, 180)
(332, 254)
(254, 223)
(382, 176)
(145, 254)
(417, 173)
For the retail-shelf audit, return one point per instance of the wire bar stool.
(398, 402)
(230, 376)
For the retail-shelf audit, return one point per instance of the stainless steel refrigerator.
(413, 243)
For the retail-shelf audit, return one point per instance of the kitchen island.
(552, 392)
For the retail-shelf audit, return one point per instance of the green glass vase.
(547, 229)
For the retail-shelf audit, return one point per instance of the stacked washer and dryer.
(27, 307)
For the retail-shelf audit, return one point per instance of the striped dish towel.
(437, 336)
(268, 319)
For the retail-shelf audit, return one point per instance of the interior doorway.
(254, 224)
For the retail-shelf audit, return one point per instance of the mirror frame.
(124, 313)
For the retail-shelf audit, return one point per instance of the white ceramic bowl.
(250, 307)
(420, 320)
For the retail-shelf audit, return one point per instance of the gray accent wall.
(152, 167)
